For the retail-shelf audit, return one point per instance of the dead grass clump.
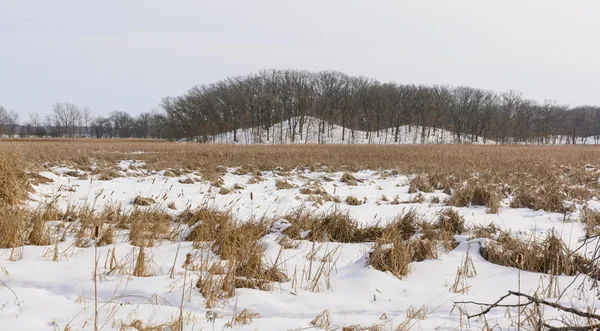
(206, 223)
(549, 255)
(107, 236)
(313, 188)
(217, 181)
(255, 179)
(138, 325)
(423, 249)
(523, 198)
(349, 179)
(244, 318)
(406, 224)
(487, 232)
(475, 195)
(13, 226)
(550, 199)
(353, 201)
(241, 246)
(322, 321)
(141, 267)
(225, 190)
(147, 226)
(451, 221)
(420, 184)
(591, 222)
(37, 179)
(142, 201)
(333, 226)
(172, 173)
(105, 174)
(579, 193)
(186, 180)
(546, 198)
(39, 235)
(393, 255)
(284, 185)
(14, 183)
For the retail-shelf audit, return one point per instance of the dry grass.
(353, 201)
(14, 182)
(591, 222)
(142, 201)
(14, 226)
(206, 223)
(146, 226)
(476, 195)
(544, 198)
(450, 221)
(349, 179)
(244, 317)
(562, 171)
(282, 184)
(393, 255)
(332, 226)
(549, 255)
(420, 183)
(240, 245)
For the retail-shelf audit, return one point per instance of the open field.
(151, 235)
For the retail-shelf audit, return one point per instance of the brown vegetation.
(549, 255)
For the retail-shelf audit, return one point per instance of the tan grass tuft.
(393, 255)
(353, 201)
(284, 185)
(225, 190)
(420, 184)
(13, 226)
(349, 179)
(142, 201)
(450, 221)
(475, 195)
(244, 317)
(549, 255)
(591, 222)
(14, 183)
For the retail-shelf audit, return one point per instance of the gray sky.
(128, 55)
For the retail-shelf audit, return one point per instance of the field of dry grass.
(528, 171)
(226, 255)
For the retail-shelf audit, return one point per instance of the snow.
(54, 294)
(280, 133)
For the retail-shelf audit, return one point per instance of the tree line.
(289, 97)
(70, 121)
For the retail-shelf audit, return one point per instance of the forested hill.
(263, 100)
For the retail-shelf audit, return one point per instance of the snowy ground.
(52, 295)
(315, 131)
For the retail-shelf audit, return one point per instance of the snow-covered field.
(59, 295)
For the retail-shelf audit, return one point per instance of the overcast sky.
(128, 55)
